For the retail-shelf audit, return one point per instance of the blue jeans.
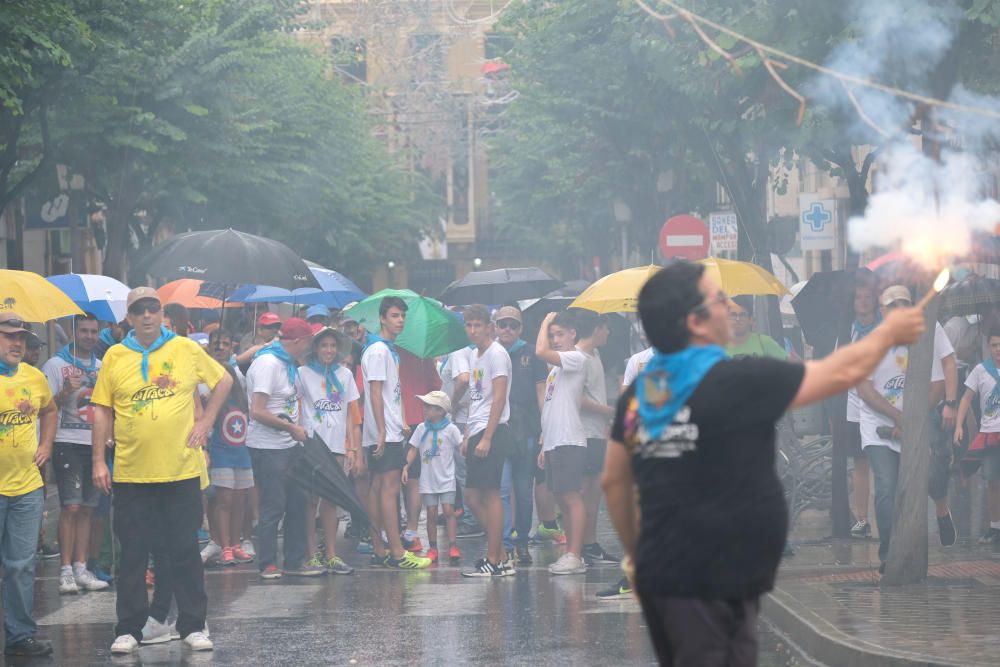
(885, 466)
(20, 519)
(519, 475)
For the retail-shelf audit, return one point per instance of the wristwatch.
(951, 404)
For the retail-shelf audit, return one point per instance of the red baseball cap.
(295, 328)
(268, 319)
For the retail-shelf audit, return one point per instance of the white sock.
(66, 569)
(995, 524)
(79, 568)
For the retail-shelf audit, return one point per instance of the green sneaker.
(316, 560)
(554, 534)
(408, 562)
(336, 565)
(620, 591)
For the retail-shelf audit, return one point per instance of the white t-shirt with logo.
(76, 417)
(889, 380)
(449, 368)
(491, 364)
(635, 365)
(325, 411)
(378, 364)
(437, 469)
(981, 382)
(595, 425)
(269, 375)
(561, 423)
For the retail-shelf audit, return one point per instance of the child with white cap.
(436, 441)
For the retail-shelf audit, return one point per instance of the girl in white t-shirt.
(436, 441)
(329, 400)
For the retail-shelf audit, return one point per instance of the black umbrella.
(318, 471)
(971, 295)
(228, 257)
(821, 306)
(499, 286)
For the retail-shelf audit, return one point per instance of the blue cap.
(319, 310)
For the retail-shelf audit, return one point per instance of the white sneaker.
(88, 582)
(124, 644)
(155, 632)
(199, 641)
(67, 583)
(211, 552)
(568, 564)
(248, 548)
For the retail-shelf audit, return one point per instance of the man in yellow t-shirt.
(25, 403)
(148, 384)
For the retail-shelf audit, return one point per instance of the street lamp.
(623, 215)
(391, 265)
(477, 262)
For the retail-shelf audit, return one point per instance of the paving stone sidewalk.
(828, 600)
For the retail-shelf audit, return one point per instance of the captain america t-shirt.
(227, 443)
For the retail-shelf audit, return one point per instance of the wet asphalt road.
(381, 617)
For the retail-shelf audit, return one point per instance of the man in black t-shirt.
(695, 435)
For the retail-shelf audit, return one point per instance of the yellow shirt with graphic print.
(153, 418)
(21, 398)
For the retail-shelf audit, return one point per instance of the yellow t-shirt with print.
(21, 398)
(153, 419)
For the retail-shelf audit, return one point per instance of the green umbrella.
(431, 329)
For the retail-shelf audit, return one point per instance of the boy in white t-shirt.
(984, 381)
(564, 441)
(436, 441)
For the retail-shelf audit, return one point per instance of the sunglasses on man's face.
(512, 325)
(143, 308)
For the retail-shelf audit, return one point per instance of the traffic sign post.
(686, 237)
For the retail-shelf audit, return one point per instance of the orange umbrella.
(185, 292)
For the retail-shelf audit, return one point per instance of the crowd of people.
(172, 435)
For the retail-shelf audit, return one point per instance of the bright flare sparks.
(939, 284)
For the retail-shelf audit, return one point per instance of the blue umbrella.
(336, 291)
(101, 296)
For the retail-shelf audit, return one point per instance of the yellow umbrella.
(33, 297)
(616, 292)
(742, 278)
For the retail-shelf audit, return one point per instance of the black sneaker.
(881, 567)
(946, 530)
(991, 536)
(30, 647)
(47, 551)
(522, 554)
(620, 591)
(861, 529)
(378, 561)
(594, 554)
(483, 568)
(467, 531)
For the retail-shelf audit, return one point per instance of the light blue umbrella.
(103, 297)
(336, 291)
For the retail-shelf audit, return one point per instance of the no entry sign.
(684, 236)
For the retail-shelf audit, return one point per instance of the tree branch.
(13, 193)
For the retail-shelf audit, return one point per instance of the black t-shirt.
(713, 515)
(527, 370)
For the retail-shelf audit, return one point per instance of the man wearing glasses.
(25, 403)
(745, 343)
(148, 384)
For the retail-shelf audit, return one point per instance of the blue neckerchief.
(991, 368)
(9, 371)
(277, 349)
(329, 373)
(667, 382)
(859, 331)
(517, 345)
(371, 339)
(434, 428)
(132, 343)
(66, 354)
(107, 337)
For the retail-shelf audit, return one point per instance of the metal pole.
(624, 245)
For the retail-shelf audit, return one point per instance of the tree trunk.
(907, 562)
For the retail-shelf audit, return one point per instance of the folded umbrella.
(499, 286)
(431, 329)
(318, 471)
(101, 296)
(228, 257)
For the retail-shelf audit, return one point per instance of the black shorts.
(690, 631)
(416, 466)
(73, 467)
(596, 449)
(393, 458)
(485, 472)
(852, 440)
(564, 468)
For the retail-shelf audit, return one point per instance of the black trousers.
(160, 518)
(280, 499)
(690, 632)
